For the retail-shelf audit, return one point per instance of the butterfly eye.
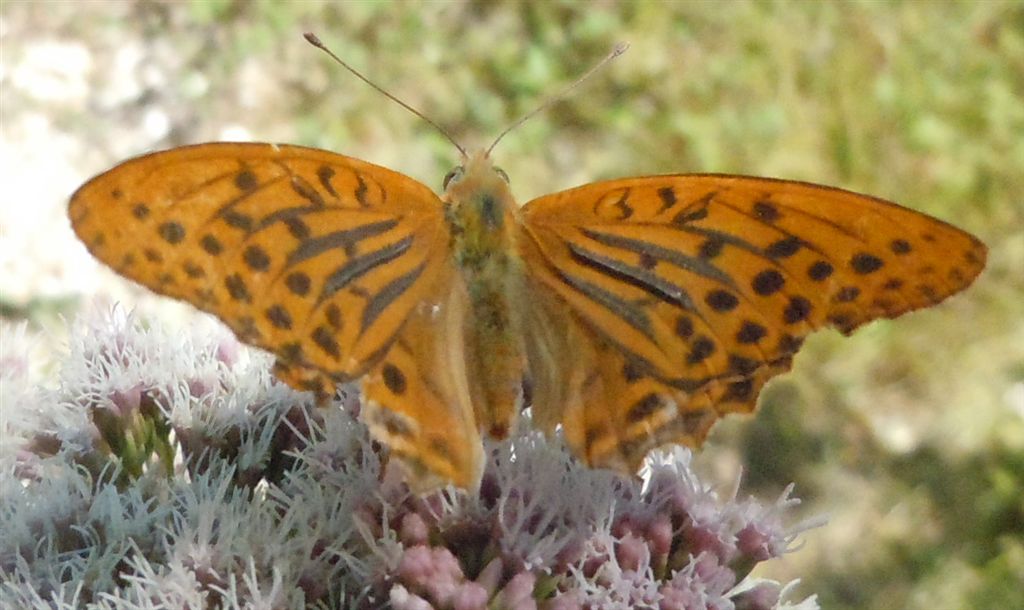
(501, 173)
(455, 174)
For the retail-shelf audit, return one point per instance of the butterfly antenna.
(316, 42)
(619, 49)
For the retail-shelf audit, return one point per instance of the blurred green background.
(909, 435)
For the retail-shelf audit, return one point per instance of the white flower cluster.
(165, 470)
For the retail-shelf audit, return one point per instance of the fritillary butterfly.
(641, 310)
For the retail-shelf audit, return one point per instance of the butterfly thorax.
(481, 213)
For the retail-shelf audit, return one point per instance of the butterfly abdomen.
(481, 216)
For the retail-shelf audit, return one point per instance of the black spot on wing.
(256, 258)
(279, 317)
(171, 232)
(290, 352)
(766, 211)
(193, 270)
(684, 327)
(333, 315)
(236, 288)
(751, 332)
(711, 247)
(323, 338)
(631, 372)
(900, 246)
(768, 282)
(245, 328)
(246, 181)
(298, 283)
(394, 379)
(798, 309)
(238, 220)
(847, 294)
(701, 348)
(739, 391)
(668, 197)
(864, 263)
(644, 408)
(721, 300)
(789, 344)
(820, 271)
(741, 364)
(783, 248)
(324, 174)
(211, 245)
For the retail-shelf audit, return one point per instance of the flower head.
(169, 471)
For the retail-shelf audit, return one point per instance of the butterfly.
(639, 310)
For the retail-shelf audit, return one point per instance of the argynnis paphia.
(640, 310)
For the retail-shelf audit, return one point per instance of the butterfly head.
(478, 194)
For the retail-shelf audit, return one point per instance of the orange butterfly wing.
(687, 293)
(316, 257)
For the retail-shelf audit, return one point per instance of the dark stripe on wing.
(358, 266)
(360, 192)
(630, 313)
(692, 264)
(285, 214)
(307, 191)
(726, 238)
(227, 211)
(642, 278)
(316, 246)
(387, 295)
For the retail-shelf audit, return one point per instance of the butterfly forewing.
(706, 285)
(314, 256)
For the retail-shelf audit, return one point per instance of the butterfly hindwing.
(417, 399)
